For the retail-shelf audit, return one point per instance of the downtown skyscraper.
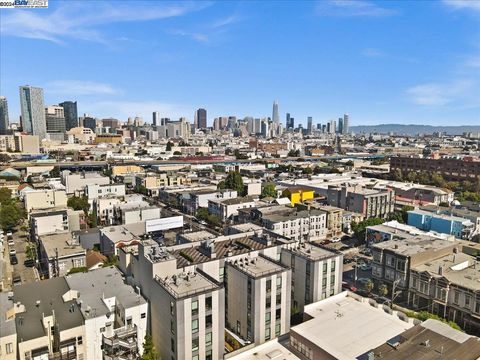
(275, 116)
(33, 111)
(71, 114)
(346, 124)
(201, 118)
(3, 115)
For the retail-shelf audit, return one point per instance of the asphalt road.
(27, 274)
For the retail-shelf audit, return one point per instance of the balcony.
(122, 344)
(63, 355)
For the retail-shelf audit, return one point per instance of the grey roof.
(49, 294)
(414, 245)
(7, 325)
(104, 283)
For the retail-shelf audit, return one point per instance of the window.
(279, 282)
(172, 344)
(324, 268)
(456, 297)
(195, 326)
(277, 330)
(9, 348)
(208, 339)
(208, 303)
(143, 315)
(269, 285)
(79, 340)
(267, 334)
(239, 327)
(467, 301)
(195, 357)
(172, 326)
(208, 355)
(102, 329)
(333, 265)
(195, 343)
(172, 308)
(269, 302)
(208, 321)
(268, 317)
(332, 280)
(401, 265)
(477, 307)
(194, 307)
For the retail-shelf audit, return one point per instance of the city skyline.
(335, 57)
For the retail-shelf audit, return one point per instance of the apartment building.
(393, 259)
(44, 199)
(298, 195)
(56, 220)
(126, 169)
(95, 191)
(155, 181)
(454, 169)
(48, 325)
(316, 273)
(368, 202)
(308, 225)
(59, 253)
(8, 335)
(447, 224)
(228, 209)
(200, 198)
(76, 183)
(115, 315)
(257, 305)
(448, 287)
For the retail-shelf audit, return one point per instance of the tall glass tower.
(71, 114)
(275, 117)
(3, 115)
(33, 111)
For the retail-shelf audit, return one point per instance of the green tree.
(31, 251)
(5, 196)
(149, 351)
(176, 153)
(368, 286)
(79, 203)
(269, 190)
(294, 153)
(397, 175)
(10, 215)
(233, 181)
(382, 290)
(360, 228)
(307, 171)
(169, 146)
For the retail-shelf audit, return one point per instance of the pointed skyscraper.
(275, 117)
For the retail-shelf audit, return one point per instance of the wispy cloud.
(463, 4)
(229, 20)
(441, 94)
(197, 36)
(75, 20)
(372, 53)
(79, 87)
(352, 8)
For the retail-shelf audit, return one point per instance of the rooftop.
(95, 287)
(311, 251)
(256, 266)
(39, 299)
(346, 326)
(62, 243)
(443, 342)
(7, 315)
(442, 216)
(271, 350)
(125, 233)
(414, 245)
(236, 201)
(460, 269)
(197, 236)
(187, 284)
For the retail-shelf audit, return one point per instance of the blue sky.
(381, 62)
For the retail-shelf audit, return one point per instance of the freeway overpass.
(95, 165)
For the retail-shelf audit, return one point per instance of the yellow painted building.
(126, 169)
(297, 195)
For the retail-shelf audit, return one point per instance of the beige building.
(316, 273)
(8, 334)
(126, 169)
(44, 199)
(76, 183)
(257, 298)
(81, 135)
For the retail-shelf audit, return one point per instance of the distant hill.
(401, 129)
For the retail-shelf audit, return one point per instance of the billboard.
(163, 223)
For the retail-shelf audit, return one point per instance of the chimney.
(440, 270)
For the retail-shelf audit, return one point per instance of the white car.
(335, 239)
(12, 252)
(11, 242)
(9, 235)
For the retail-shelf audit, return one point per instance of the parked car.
(13, 260)
(366, 267)
(9, 235)
(29, 263)
(336, 239)
(16, 280)
(11, 242)
(12, 252)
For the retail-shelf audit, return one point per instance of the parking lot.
(27, 274)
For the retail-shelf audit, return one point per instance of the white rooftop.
(346, 327)
(272, 350)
